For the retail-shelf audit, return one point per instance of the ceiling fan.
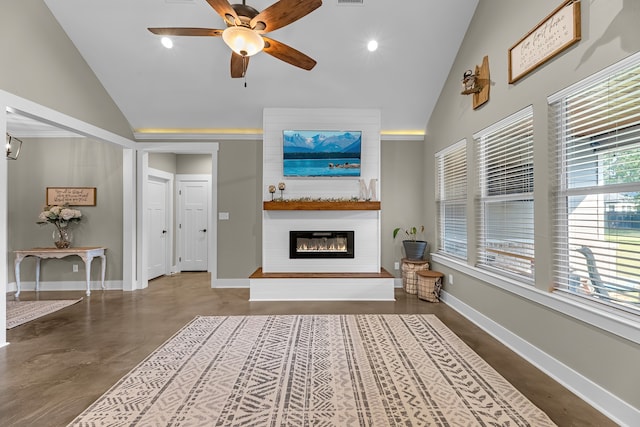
(245, 29)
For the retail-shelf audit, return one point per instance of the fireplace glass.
(321, 244)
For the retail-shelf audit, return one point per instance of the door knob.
(204, 230)
(164, 231)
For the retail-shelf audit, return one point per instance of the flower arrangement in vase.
(61, 216)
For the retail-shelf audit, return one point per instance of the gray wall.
(609, 33)
(239, 193)
(239, 183)
(41, 64)
(193, 164)
(65, 162)
(401, 195)
(165, 162)
(181, 163)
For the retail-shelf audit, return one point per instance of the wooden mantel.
(320, 206)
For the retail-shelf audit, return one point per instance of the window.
(451, 200)
(506, 195)
(596, 125)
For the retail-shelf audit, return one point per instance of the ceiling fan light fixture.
(166, 42)
(243, 41)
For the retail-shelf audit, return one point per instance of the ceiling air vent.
(350, 2)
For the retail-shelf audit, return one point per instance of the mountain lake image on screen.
(315, 153)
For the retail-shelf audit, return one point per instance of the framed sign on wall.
(72, 196)
(551, 36)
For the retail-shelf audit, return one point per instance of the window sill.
(625, 325)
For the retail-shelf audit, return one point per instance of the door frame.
(33, 110)
(143, 150)
(180, 179)
(168, 180)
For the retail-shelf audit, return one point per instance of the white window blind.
(451, 199)
(505, 223)
(596, 131)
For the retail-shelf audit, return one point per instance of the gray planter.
(414, 249)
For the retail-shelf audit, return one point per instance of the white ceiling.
(189, 88)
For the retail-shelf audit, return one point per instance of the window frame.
(506, 184)
(448, 195)
(596, 139)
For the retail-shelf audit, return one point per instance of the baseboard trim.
(603, 400)
(95, 285)
(230, 283)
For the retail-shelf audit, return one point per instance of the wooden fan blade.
(288, 54)
(239, 65)
(283, 13)
(184, 31)
(225, 10)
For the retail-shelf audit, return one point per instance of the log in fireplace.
(321, 244)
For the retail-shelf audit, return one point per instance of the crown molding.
(246, 134)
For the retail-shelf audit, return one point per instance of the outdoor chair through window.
(604, 289)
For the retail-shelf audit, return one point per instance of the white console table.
(87, 254)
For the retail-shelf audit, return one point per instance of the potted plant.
(414, 249)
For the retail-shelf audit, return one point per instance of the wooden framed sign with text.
(72, 196)
(551, 36)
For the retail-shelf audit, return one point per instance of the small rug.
(323, 370)
(20, 312)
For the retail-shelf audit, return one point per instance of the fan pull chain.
(244, 69)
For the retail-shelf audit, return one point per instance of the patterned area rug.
(326, 370)
(20, 312)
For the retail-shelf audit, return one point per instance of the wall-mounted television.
(317, 153)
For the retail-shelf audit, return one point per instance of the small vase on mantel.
(62, 238)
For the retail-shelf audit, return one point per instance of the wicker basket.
(429, 284)
(409, 279)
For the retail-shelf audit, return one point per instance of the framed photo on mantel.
(72, 196)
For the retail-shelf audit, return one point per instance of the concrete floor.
(58, 365)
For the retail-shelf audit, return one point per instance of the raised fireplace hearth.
(321, 244)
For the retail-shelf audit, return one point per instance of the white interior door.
(193, 199)
(142, 253)
(157, 237)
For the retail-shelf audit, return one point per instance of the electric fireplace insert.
(321, 244)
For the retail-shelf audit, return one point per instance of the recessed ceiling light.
(372, 45)
(167, 42)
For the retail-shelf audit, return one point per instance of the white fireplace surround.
(356, 278)
(277, 224)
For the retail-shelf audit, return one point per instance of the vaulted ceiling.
(188, 90)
